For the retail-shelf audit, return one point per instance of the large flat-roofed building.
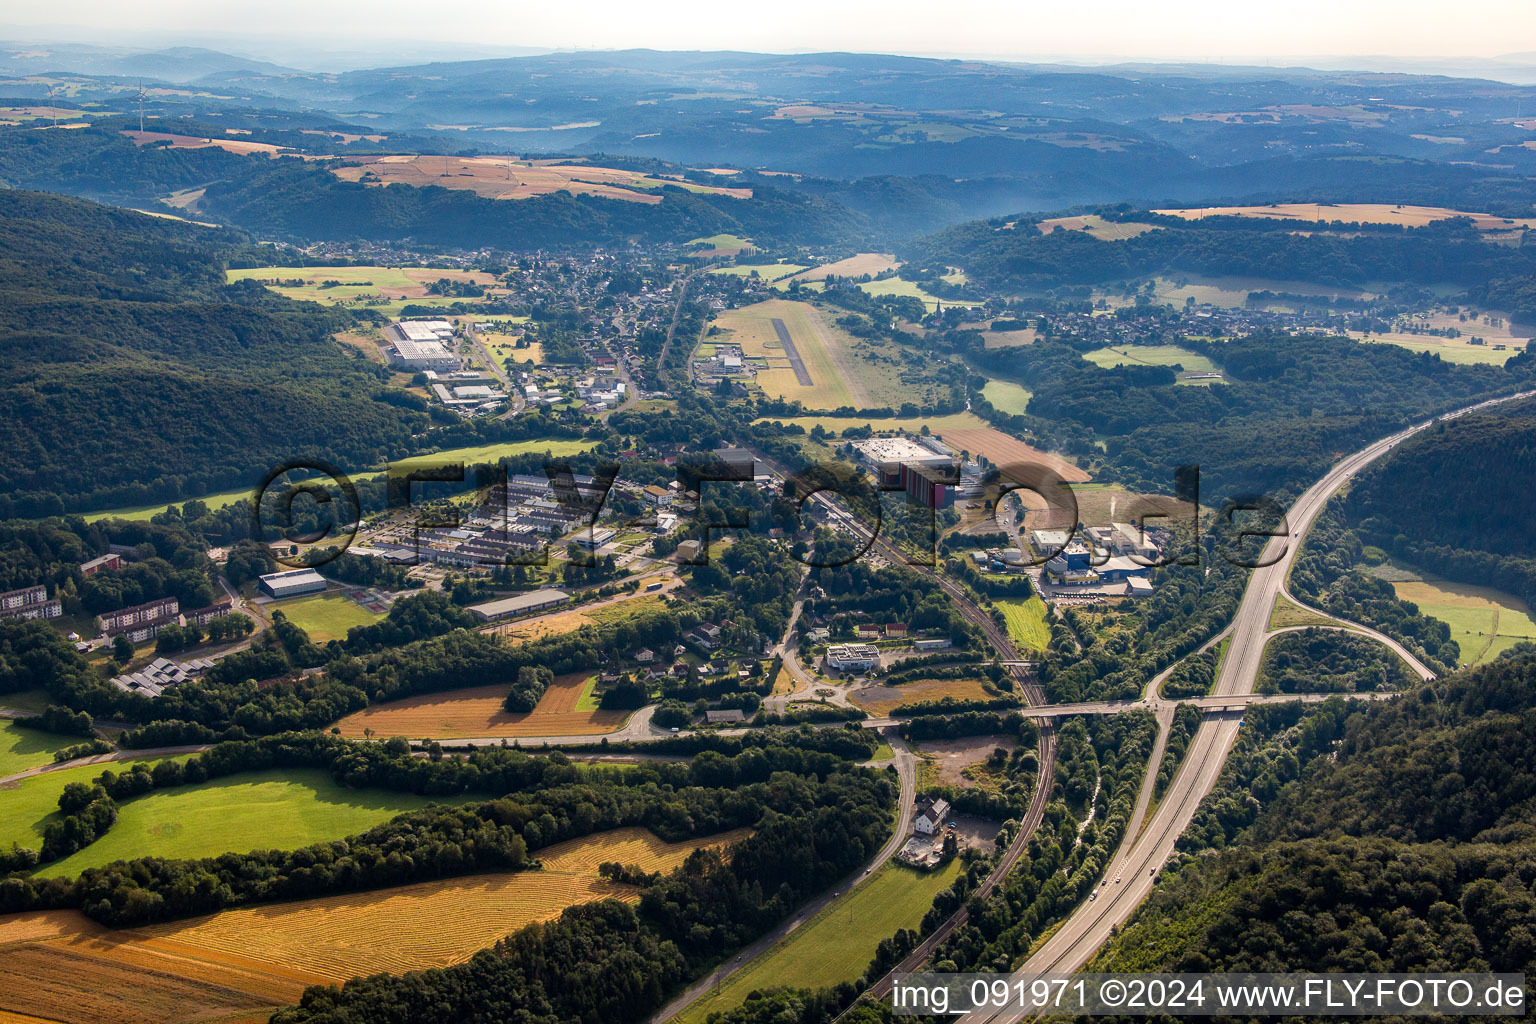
(853, 657)
(421, 345)
(925, 468)
(519, 604)
(142, 621)
(293, 583)
(30, 603)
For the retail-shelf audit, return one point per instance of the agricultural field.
(500, 177)
(854, 266)
(880, 701)
(1004, 451)
(385, 289)
(174, 141)
(1152, 355)
(1102, 504)
(838, 944)
(1501, 343)
(239, 965)
(22, 748)
(280, 810)
(477, 712)
(1484, 622)
(1006, 396)
(490, 453)
(825, 352)
(326, 616)
(1025, 618)
(721, 245)
(898, 286)
(765, 271)
(1098, 227)
(27, 804)
(1354, 213)
(1228, 292)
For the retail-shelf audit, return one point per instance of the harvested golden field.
(241, 964)
(501, 177)
(477, 712)
(854, 266)
(882, 700)
(627, 846)
(1004, 451)
(194, 142)
(61, 966)
(1008, 339)
(1355, 213)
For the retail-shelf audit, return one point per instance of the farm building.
(292, 583)
(519, 604)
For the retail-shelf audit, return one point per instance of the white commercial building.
(421, 345)
(853, 657)
(293, 583)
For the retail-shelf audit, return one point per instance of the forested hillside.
(1410, 848)
(1456, 501)
(133, 374)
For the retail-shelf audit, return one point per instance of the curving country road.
(1131, 873)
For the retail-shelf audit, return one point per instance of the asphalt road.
(1131, 873)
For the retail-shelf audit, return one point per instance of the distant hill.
(179, 64)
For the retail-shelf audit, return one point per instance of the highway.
(1131, 873)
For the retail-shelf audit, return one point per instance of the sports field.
(838, 944)
(326, 616)
(1025, 617)
(1355, 213)
(273, 810)
(1006, 396)
(824, 351)
(1483, 621)
(1151, 355)
(477, 712)
(238, 966)
(22, 748)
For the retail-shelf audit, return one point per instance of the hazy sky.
(1221, 30)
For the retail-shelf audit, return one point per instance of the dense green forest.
(1455, 500)
(133, 374)
(1410, 848)
(1324, 660)
(1021, 257)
